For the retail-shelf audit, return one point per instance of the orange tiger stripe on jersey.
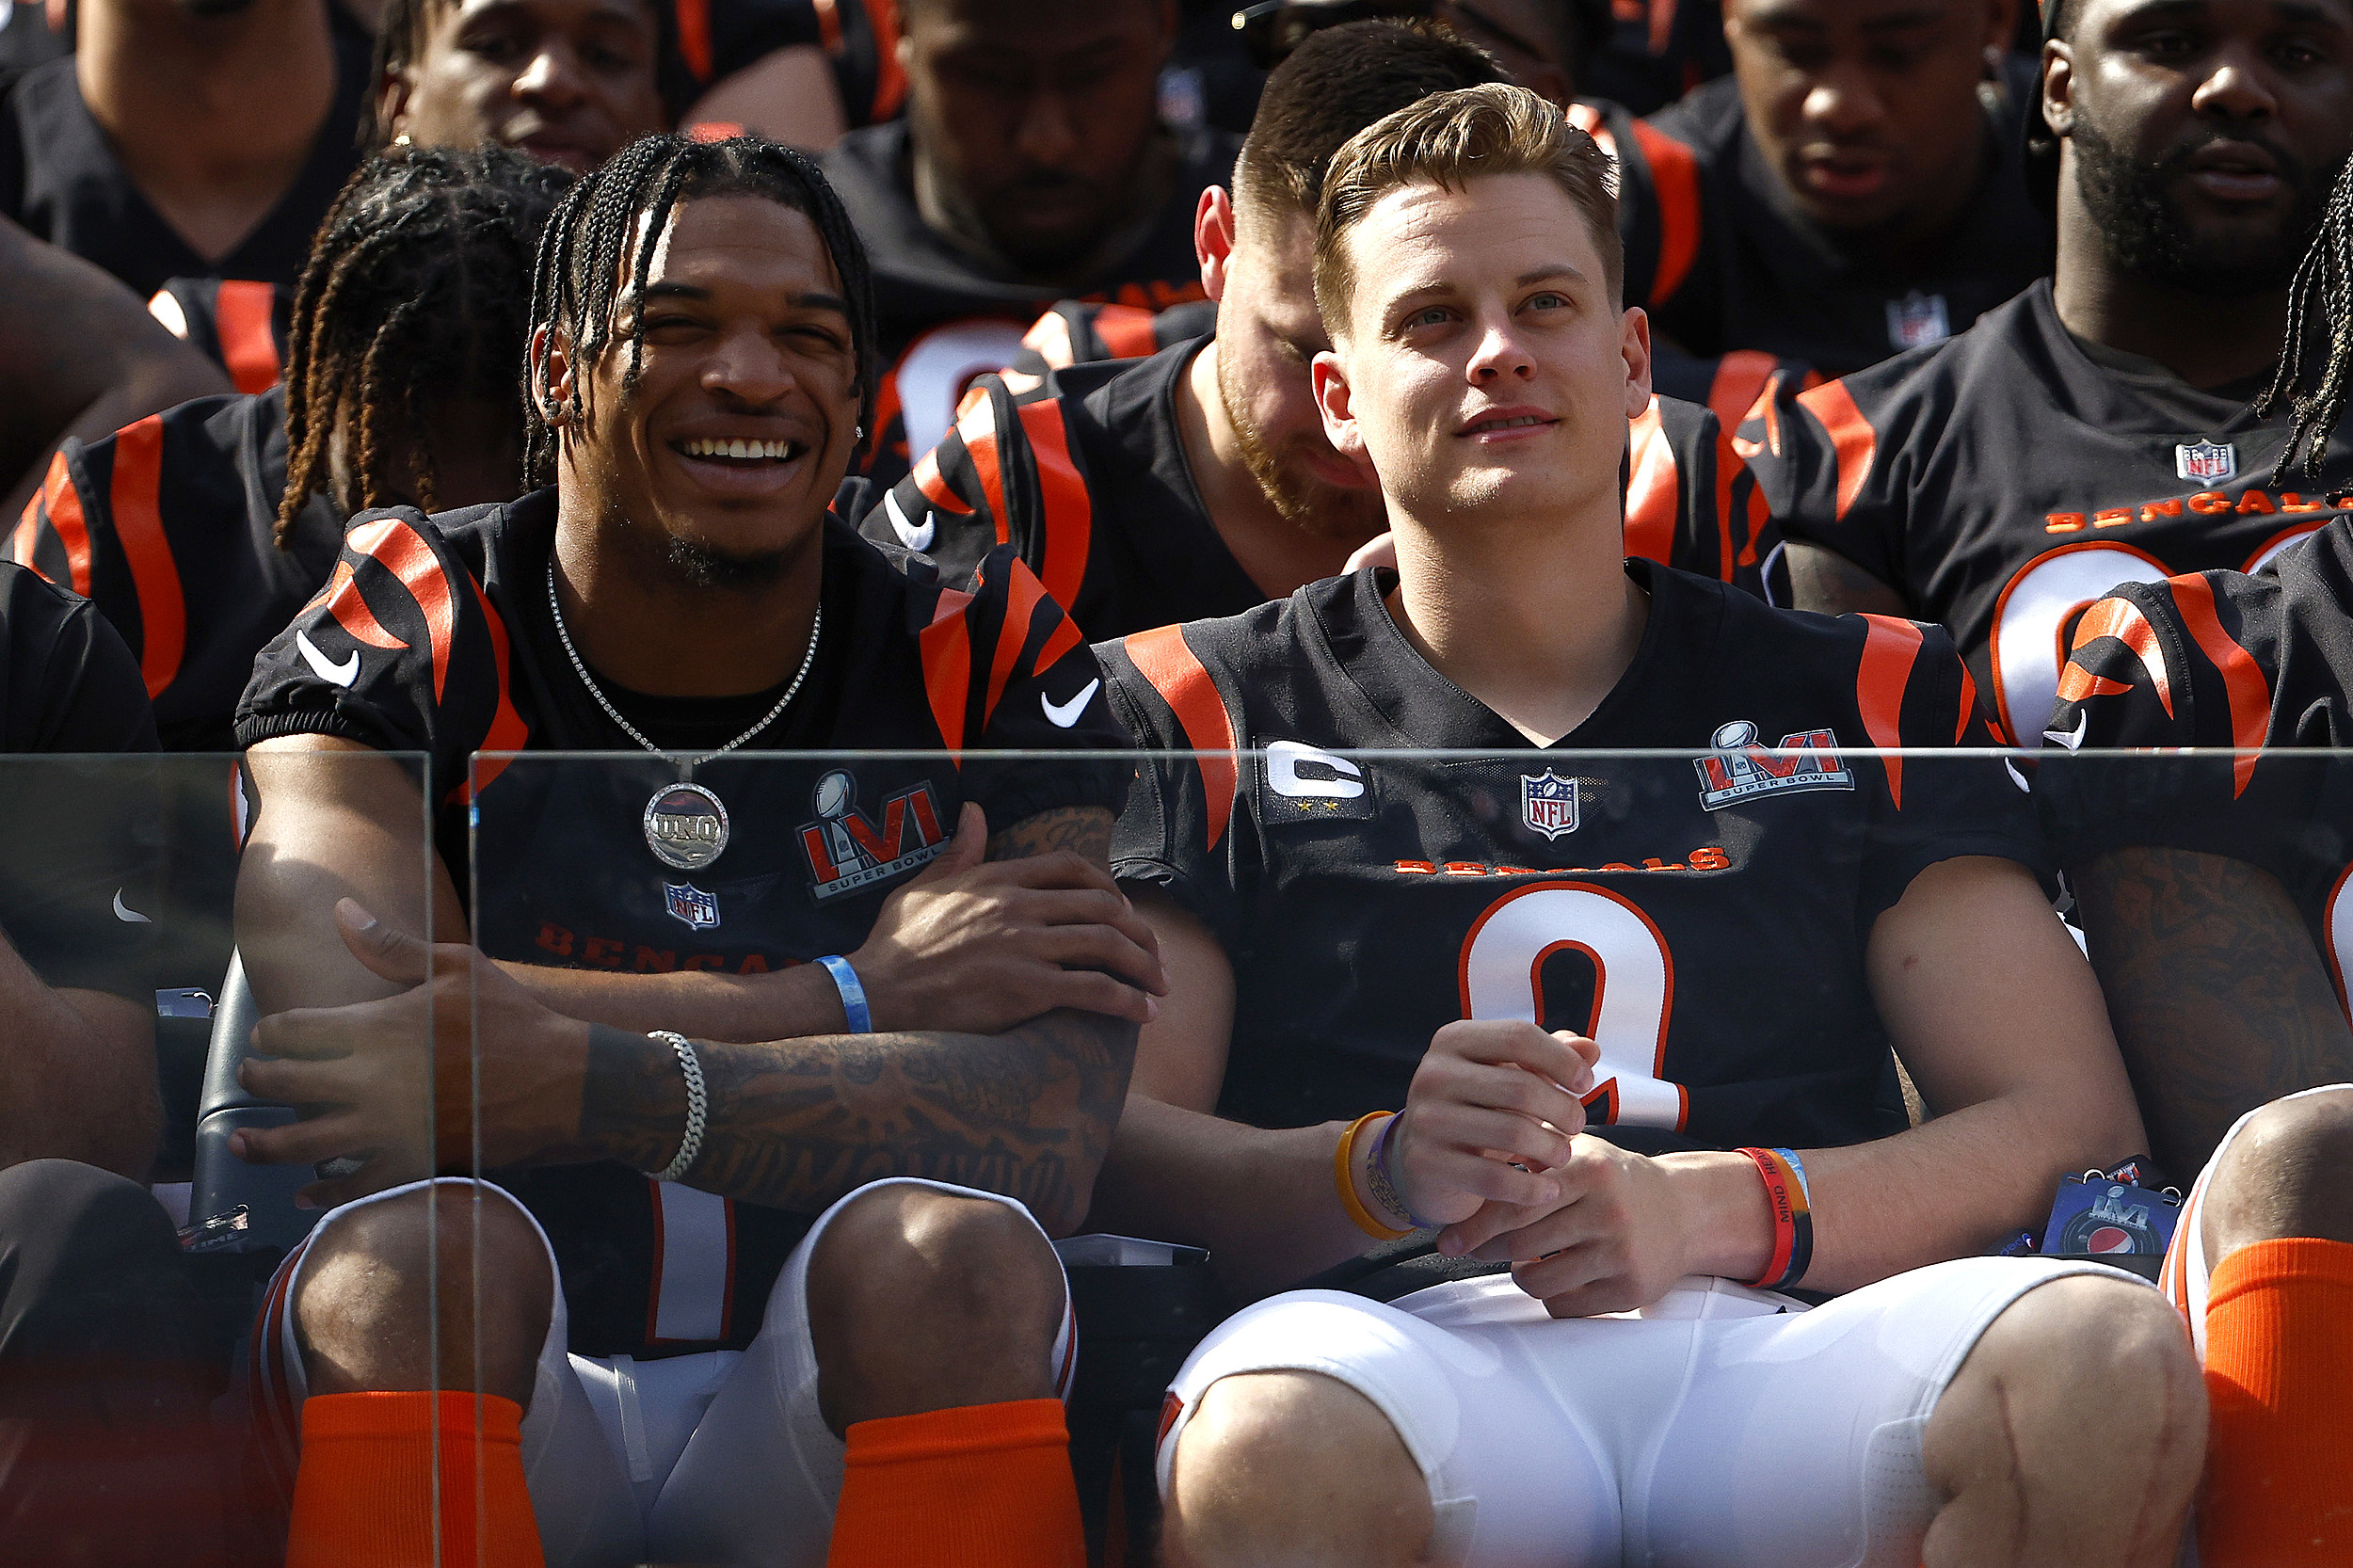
(1890, 648)
(1651, 489)
(402, 550)
(936, 489)
(1851, 437)
(976, 422)
(507, 730)
(2120, 618)
(1049, 338)
(890, 78)
(2242, 679)
(1127, 331)
(241, 312)
(1674, 179)
(946, 646)
(1061, 494)
(1968, 705)
(1163, 657)
(344, 602)
(1023, 595)
(1740, 376)
(63, 503)
(694, 36)
(135, 495)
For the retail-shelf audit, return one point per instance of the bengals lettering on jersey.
(2231, 662)
(2004, 480)
(1084, 474)
(1727, 898)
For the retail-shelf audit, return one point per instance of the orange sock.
(983, 1486)
(363, 1497)
(2279, 1365)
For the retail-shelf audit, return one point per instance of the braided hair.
(406, 33)
(597, 247)
(413, 294)
(2320, 329)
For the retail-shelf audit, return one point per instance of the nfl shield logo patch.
(1548, 804)
(1918, 319)
(2207, 461)
(690, 904)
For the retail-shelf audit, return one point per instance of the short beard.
(1314, 506)
(706, 568)
(2145, 232)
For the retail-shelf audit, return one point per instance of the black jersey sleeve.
(1006, 671)
(1008, 474)
(397, 652)
(1832, 459)
(1692, 504)
(1084, 332)
(79, 877)
(1912, 691)
(2181, 662)
(1182, 823)
(1660, 221)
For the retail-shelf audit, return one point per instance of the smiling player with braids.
(200, 531)
(825, 987)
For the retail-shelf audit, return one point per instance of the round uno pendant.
(686, 826)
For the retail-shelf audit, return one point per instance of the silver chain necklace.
(685, 824)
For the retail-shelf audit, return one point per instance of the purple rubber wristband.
(1384, 1181)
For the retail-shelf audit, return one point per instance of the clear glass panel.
(142, 1421)
(1742, 941)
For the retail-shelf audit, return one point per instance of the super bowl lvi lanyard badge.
(686, 825)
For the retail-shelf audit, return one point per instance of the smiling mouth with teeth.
(1519, 421)
(743, 452)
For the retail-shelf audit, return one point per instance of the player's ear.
(1329, 378)
(2058, 87)
(1213, 239)
(1634, 346)
(393, 91)
(551, 380)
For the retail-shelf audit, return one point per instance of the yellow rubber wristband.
(1344, 1177)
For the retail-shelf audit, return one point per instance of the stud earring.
(861, 432)
(403, 140)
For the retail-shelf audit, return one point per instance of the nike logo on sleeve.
(909, 535)
(323, 668)
(1067, 715)
(128, 915)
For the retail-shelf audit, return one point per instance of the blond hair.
(1450, 140)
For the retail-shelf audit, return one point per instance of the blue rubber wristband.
(852, 994)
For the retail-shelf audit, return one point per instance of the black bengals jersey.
(170, 526)
(78, 872)
(1727, 900)
(436, 636)
(1085, 475)
(238, 324)
(1755, 273)
(59, 179)
(944, 318)
(2003, 480)
(2220, 658)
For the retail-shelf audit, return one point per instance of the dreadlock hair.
(414, 293)
(2320, 328)
(599, 245)
(406, 31)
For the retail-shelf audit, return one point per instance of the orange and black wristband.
(1793, 1219)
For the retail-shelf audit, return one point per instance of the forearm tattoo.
(798, 1124)
(2219, 998)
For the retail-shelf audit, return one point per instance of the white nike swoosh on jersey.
(909, 535)
(123, 912)
(323, 668)
(1063, 716)
(2069, 738)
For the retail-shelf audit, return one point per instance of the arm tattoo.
(798, 1124)
(1820, 579)
(2219, 998)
